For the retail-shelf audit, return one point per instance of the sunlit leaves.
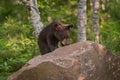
(110, 35)
(73, 2)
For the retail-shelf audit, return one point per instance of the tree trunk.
(35, 18)
(95, 17)
(81, 20)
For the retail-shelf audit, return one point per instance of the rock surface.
(84, 60)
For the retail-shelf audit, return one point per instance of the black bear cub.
(52, 34)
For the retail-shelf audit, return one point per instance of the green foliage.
(114, 9)
(17, 44)
(110, 28)
(110, 36)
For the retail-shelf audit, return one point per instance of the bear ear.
(69, 26)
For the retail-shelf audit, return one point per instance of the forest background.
(18, 45)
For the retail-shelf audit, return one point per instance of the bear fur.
(52, 34)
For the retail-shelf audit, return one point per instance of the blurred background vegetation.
(18, 45)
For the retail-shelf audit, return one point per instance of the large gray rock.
(79, 61)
